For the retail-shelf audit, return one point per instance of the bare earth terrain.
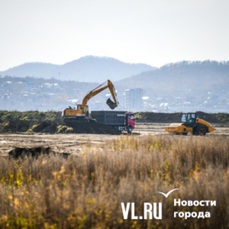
(74, 143)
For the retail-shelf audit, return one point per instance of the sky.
(154, 32)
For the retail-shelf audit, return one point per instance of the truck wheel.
(201, 130)
(129, 129)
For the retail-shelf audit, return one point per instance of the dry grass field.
(86, 189)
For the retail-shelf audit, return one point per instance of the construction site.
(114, 114)
(75, 176)
(72, 138)
(67, 132)
(73, 168)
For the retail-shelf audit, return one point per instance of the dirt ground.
(75, 143)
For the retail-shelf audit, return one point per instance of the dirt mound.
(207, 117)
(173, 117)
(28, 126)
(159, 117)
(46, 127)
(93, 128)
(22, 152)
(14, 126)
(17, 126)
(34, 152)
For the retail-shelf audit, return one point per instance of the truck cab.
(130, 121)
(119, 120)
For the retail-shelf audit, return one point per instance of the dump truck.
(81, 114)
(120, 120)
(190, 123)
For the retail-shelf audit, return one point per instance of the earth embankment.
(174, 117)
(51, 122)
(51, 127)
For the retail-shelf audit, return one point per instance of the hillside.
(184, 86)
(85, 69)
(180, 87)
(182, 76)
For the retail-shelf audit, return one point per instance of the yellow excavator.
(190, 124)
(81, 114)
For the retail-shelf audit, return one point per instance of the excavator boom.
(110, 103)
(99, 89)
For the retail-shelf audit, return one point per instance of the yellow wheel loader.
(190, 124)
(81, 114)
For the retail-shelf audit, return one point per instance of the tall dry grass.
(87, 191)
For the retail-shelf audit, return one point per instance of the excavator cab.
(188, 119)
(79, 107)
(84, 110)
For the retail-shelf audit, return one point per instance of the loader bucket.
(111, 104)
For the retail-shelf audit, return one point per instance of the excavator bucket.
(111, 104)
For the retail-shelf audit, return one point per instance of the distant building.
(133, 100)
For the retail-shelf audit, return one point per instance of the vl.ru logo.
(154, 210)
(150, 211)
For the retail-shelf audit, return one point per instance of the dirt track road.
(74, 143)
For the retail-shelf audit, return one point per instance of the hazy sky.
(154, 32)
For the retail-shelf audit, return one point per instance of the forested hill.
(207, 75)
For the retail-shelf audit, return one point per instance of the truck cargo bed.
(113, 118)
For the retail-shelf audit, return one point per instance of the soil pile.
(22, 152)
(34, 151)
(46, 127)
(16, 126)
(94, 128)
(51, 127)
(159, 117)
(173, 117)
(207, 117)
